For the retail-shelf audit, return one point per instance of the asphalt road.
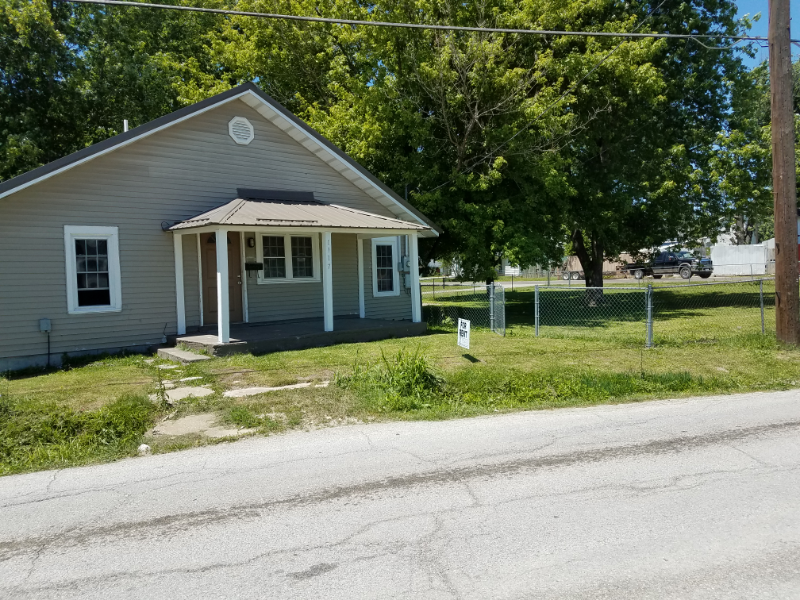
(687, 499)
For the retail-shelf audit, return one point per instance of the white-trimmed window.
(93, 274)
(385, 277)
(289, 258)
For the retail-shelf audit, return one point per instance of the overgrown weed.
(41, 436)
(406, 381)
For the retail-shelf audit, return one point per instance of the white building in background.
(752, 259)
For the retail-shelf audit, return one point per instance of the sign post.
(463, 333)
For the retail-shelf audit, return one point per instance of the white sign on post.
(463, 333)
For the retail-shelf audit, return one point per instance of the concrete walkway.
(695, 498)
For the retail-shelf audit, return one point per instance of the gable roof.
(270, 109)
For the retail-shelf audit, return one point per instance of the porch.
(299, 274)
(261, 338)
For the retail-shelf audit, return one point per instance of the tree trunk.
(591, 259)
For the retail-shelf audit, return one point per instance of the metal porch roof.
(293, 213)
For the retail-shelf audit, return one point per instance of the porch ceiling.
(306, 213)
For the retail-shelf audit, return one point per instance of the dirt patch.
(204, 424)
(182, 393)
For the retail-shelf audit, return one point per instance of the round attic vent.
(240, 130)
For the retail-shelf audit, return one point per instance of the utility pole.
(787, 303)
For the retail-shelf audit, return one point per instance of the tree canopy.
(516, 145)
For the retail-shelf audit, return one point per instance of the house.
(225, 225)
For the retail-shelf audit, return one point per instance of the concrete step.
(180, 356)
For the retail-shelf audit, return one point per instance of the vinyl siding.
(171, 175)
(283, 301)
(394, 308)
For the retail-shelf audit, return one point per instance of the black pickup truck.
(680, 262)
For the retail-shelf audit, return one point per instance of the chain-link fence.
(618, 312)
(712, 311)
(650, 315)
(484, 306)
(653, 314)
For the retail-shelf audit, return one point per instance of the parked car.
(680, 262)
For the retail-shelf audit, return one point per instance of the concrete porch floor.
(262, 338)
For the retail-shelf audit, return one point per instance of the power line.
(239, 13)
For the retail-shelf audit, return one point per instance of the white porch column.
(177, 240)
(223, 296)
(361, 309)
(416, 296)
(327, 281)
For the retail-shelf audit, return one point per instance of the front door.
(209, 254)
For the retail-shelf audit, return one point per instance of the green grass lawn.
(586, 354)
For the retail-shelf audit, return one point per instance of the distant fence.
(653, 314)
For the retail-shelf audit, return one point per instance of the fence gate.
(483, 305)
(497, 306)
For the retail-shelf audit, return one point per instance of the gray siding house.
(117, 246)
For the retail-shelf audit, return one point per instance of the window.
(385, 279)
(93, 274)
(91, 257)
(302, 257)
(289, 258)
(274, 257)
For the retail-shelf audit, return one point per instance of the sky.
(752, 7)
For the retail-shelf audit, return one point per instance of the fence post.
(536, 309)
(761, 301)
(649, 308)
(491, 307)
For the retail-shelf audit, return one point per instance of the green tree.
(71, 74)
(743, 161)
(40, 86)
(517, 145)
(639, 170)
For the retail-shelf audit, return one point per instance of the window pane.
(302, 257)
(385, 280)
(94, 297)
(383, 255)
(385, 267)
(91, 265)
(274, 267)
(273, 247)
(274, 257)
